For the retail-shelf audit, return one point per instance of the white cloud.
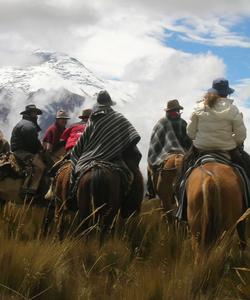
(173, 75)
(212, 30)
(243, 90)
(108, 35)
(242, 97)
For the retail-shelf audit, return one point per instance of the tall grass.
(145, 258)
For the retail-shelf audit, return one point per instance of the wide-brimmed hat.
(104, 99)
(173, 105)
(61, 114)
(221, 87)
(85, 113)
(31, 108)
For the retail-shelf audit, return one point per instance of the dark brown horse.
(99, 195)
(215, 202)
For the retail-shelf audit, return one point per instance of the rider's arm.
(192, 126)
(186, 141)
(239, 128)
(65, 135)
(47, 140)
(30, 138)
(47, 146)
(80, 145)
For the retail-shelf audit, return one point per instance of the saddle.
(57, 166)
(13, 167)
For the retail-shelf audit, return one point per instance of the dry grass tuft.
(145, 258)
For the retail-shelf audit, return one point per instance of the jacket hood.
(223, 108)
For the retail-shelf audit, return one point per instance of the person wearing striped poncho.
(169, 136)
(108, 137)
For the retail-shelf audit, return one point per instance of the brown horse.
(215, 202)
(10, 186)
(165, 178)
(99, 196)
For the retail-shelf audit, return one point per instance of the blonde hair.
(210, 99)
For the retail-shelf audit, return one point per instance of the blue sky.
(236, 58)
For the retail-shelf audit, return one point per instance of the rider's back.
(24, 137)
(219, 127)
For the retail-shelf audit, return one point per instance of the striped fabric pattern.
(163, 141)
(107, 135)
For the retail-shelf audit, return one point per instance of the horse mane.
(211, 223)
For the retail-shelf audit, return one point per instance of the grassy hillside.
(145, 259)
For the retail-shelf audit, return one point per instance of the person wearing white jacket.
(217, 125)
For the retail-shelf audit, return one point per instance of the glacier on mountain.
(54, 81)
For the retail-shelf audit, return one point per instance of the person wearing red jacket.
(71, 135)
(51, 140)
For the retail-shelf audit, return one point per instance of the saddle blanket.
(120, 166)
(10, 166)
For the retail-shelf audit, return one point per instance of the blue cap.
(221, 87)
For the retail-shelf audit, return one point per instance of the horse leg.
(2, 203)
(48, 217)
(132, 201)
(84, 204)
(241, 229)
(111, 209)
(196, 249)
(165, 191)
(59, 214)
(60, 228)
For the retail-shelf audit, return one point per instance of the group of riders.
(216, 125)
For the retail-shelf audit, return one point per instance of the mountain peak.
(46, 56)
(56, 76)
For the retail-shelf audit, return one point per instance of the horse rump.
(98, 195)
(215, 201)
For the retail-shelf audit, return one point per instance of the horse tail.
(131, 203)
(211, 211)
(99, 188)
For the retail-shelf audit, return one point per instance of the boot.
(242, 158)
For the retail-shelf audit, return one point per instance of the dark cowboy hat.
(173, 105)
(31, 108)
(221, 87)
(61, 114)
(104, 99)
(85, 113)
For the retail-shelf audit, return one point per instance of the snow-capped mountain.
(53, 81)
